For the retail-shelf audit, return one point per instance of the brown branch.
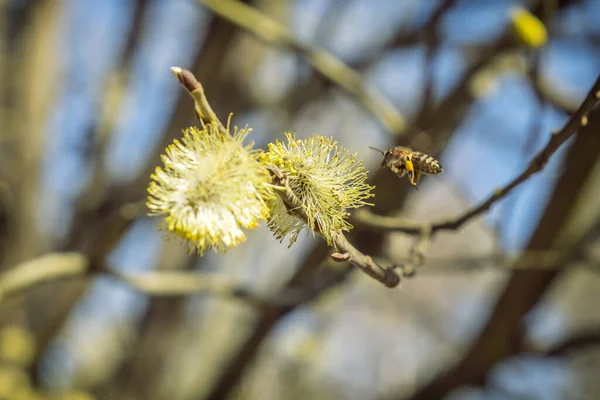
(579, 341)
(418, 250)
(578, 119)
(56, 266)
(365, 263)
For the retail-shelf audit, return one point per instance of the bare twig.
(577, 120)
(417, 252)
(330, 67)
(55, 266)
(365, 263)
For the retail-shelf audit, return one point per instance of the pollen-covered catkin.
(210, 188)
(325, 179)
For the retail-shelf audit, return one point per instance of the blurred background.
(95, 303)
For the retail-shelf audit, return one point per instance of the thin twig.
(329, 66)
(365, 263)
(417, 252)
(577, 120)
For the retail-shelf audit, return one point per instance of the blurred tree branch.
(175, 283)
(428, 29)
(427, 33)
(579, 341)
(46, 268)
(162, 283)
(542, 259)
(576, 121)
(102, 128)
(325, 63)
(499, 338)
(29, 94)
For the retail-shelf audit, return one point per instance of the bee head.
(387, 156)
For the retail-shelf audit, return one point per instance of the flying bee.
(403, 160)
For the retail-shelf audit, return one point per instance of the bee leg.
(415, 177)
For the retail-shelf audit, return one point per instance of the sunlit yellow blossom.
(529, 29)
(211, 187)
(326, 180)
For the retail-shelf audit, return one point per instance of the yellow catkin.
(326, 180)
(210, 189)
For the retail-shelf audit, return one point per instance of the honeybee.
(403, 160)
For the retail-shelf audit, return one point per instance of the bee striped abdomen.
(426, 164)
